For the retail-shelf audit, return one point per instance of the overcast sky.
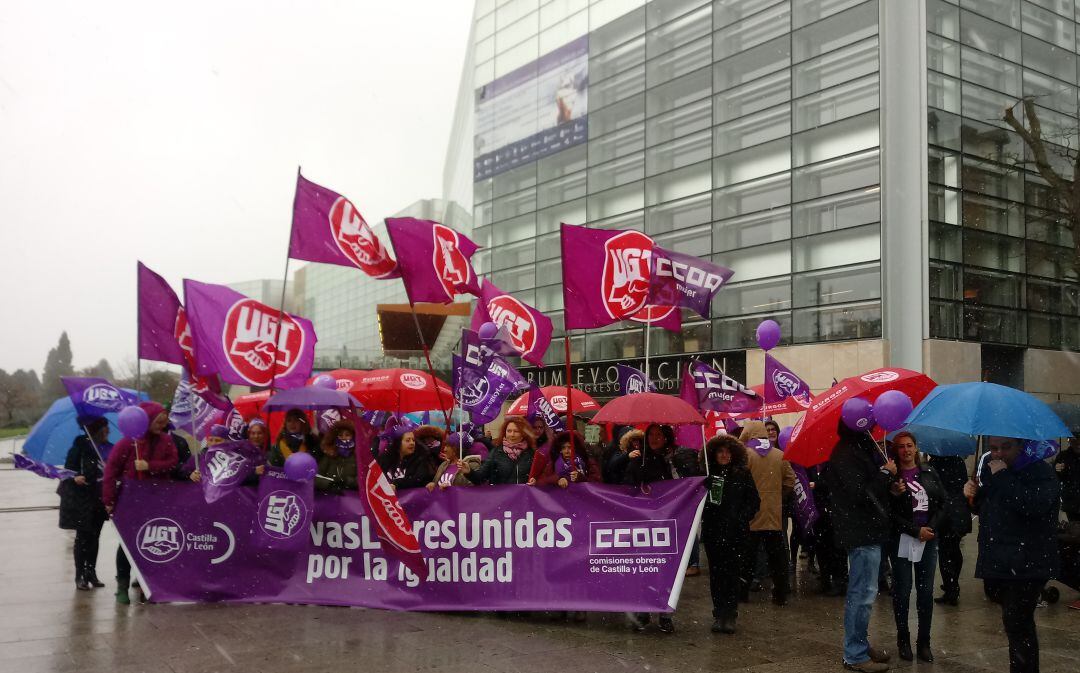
(171, 133)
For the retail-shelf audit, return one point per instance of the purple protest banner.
(94, 396)
(328, 228)
(684, 280)
(759, 445)
(223, 467)
(433, 260)
(716, 391)
(633, 380)
(529, 329)
(606, 279)
(540, 407)
(235, 336)
(805, 510)
(24, 462)
(159, 309)
(590, 547)
(282, 509)
(782, 383)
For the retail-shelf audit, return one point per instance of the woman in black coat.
(731, 502)
(407, 463)
(81, 508)
(954, 525)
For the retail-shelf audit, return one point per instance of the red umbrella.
(396, 390)
(814, 436)
(557, 396)
(648, 408)
(789, 406)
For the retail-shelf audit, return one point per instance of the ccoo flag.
(434, 260)
(328, 228)
(528, 329)
(684, 280)
(716, 391)
(235, 335)
(606, 276)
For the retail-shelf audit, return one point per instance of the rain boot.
(903, 645)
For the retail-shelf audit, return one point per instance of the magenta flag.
(606, 277)
(234, 336)
(716, 391)
(434, 260)
(684, 280)
(781, 383)
(328, 228)
(529, 329)
(159, 312)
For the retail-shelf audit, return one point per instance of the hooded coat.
(773, 477)
(728, 522)
(858, 491)
(1018, 513)
(157, 450)
(614, 467)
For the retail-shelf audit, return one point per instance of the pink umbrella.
(641, 408)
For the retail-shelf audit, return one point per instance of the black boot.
(903, 646)
(922, 649)
(90, 574)
(80, 581)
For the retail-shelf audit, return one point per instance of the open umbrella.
(53, 434)
(396, 390)
(556, 395)
(938, 442)
(814, 436)
(988, 409)
(640, 408)
(1069, 415)
(310, 397)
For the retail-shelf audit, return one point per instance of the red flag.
(381, 505)
(434, 260)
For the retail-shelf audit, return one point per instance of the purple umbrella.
(310, 397)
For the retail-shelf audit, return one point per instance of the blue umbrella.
(53, 434)
(987, 409)
(938, 442)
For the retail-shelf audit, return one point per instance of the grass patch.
(13, 432)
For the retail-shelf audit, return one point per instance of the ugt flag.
(684, 280)
(540, 407)
(194, 413)
(223, 467)
(94, 396)
(716, 391)
(328, 228)
(434, 260)
(606, 276)
(246, 341)
(483, 382)
(159, 313)
(528, 329)
(782, 384)
(633, 380)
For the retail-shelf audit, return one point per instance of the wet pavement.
(48, 626)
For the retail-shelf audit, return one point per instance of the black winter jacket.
(1018, 513)
(648, 467)
(729, 521)
(412, 471)
(80, 505)
(499, 468)
(858, 492)
(952, 471)
(903, 517)
(1070, 479)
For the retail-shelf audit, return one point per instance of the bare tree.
(1044, 155)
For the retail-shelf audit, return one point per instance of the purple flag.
(529, 329)
(159, 313)
(1035, 450)
(433, 260)
(236, 425)
(633, 380)
(223, 467)
(482, 385)
(24, 462)
(234, 336)
(94, 396)
(606, 277)
(328, 228)
(690, 436)
(284, 512)
(782, 383)
(540, 407)
(191, 412)
(684, 280)
(716, 391)
(806, 512)
(326, 419)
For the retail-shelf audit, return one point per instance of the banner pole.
(284, 285)
(648, 324)
(569, 400)
(138, 323)
(705, 450)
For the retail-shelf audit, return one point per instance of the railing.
(9, 446)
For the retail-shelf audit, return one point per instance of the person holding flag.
(81, 507)
(407, 463)
(337, 466)
(448, 474)
(511, 459)
(569, 463)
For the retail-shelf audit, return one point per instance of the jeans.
(950, 562)
(923, 571)
(725, 561)
(863, 564)
(776, 553)
(1018, 599)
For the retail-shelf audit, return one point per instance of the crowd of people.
(888, 519)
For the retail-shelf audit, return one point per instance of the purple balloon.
(133, 422)
(768, 334)
(891, 409)
(857, 414)
(784, 437)
(325, 381)
(301, 467)
(488, 330)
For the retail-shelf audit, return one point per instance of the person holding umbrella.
(81, 508)
(1017, 503)
(295, 437)
(955, 523)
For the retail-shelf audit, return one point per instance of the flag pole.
(138, 323)
(427, 358)
(569, 400)
(648, 324)
(284, 285)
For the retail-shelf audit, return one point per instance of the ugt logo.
(160, 540)
(224, 467)
(880, 377)
(103, 396)
(625, 280)
(357, 241)
(282, 514)
(507, 311)
(787, 385)
(414, 381)
(248, 341)
(635, 384)
(451, 266)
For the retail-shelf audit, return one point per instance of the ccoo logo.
(625, 280)
(160, 540)
(451, 266)
(357, 241)
(518, 320)
(248, 341)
